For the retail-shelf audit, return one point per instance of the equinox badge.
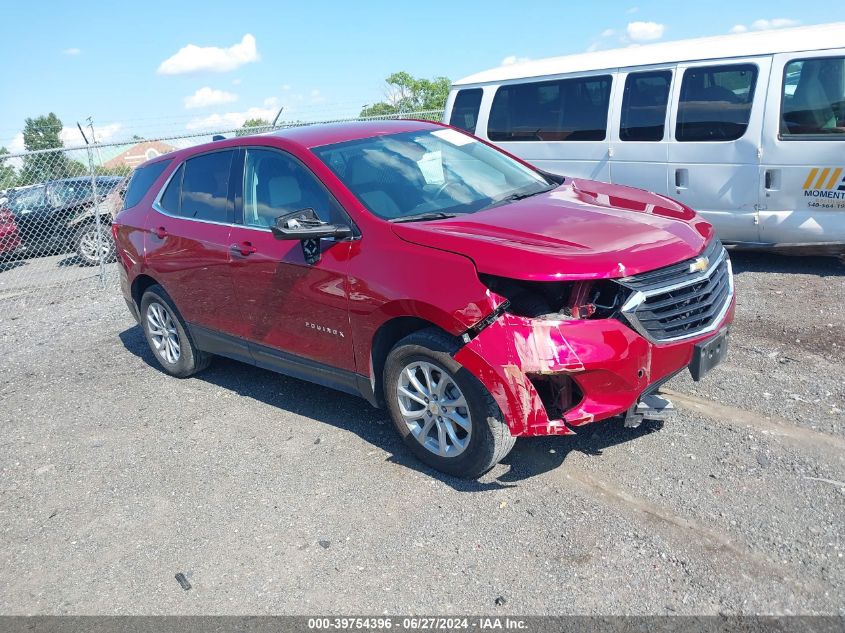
(699, 265)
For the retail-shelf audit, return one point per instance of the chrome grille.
(677, 301)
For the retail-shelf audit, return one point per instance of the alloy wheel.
(163, 334)
(434, 409)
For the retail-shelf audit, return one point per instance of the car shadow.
(763, 262)
(11, 265)
(529, 458)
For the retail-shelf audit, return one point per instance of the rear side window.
(644, 106)
(465, 109)
(171, 198)
(563, 110)
(715, 103)
(205, 187)
(813, 99)
(141, 181)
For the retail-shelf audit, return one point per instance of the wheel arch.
(139, 287)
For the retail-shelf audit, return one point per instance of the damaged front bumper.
(550, 377)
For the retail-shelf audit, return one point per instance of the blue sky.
(124, 63)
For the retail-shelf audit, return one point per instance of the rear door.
(187, 248)
(802, 194)
(714, 164)
(640, 139)
(559, 125)
(291, 309)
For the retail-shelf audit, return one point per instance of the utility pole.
(94, 139)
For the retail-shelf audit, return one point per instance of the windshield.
(429, 174)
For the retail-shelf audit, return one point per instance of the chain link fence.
(56, 208)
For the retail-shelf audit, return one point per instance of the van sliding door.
(714, 164)
(640, 136)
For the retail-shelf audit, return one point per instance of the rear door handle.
(160, 232)
(681, 179)
(244, 248)
(771, 180)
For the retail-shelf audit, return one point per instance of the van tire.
(490, 439)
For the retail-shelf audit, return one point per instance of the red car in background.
(476, 297)
(10, 239)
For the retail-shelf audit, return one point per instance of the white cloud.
(645, 31)
(71, 51)
(608, 33)
(232, 120)
(765, 25)
(510, 60)
(193, 58)
(776, 23)
(72, 138)
(206, 96)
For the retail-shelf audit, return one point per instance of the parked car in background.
(61, 216)
(747, 129)
(9, 237)
(476, 297)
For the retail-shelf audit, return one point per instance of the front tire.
(167, 337)
(442, 412)
(90, 249)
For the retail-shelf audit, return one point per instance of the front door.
(187, 248)
(714, 164)
(802, 197)
(295, 314)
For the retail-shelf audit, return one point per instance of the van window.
(205, 187)
(644, 106)
(141, 181)
(813, 100)
(715, 103)
(563, 110)
(465, 109)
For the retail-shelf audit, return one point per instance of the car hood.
(580, 230)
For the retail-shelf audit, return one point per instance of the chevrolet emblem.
(699, 265)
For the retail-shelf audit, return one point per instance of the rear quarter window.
(141, 181)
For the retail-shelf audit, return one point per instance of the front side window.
(644, 106)
(69, 192)
(813, 99)
(276, 184)
(205, 187)
(562, 110)
(428, 174)
(465, 109)
(715, 103)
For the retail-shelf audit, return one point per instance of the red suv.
(476, 297)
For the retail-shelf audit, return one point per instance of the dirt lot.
(276, 496)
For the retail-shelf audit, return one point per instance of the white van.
(748, 130)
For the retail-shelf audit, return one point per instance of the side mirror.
(305, 225)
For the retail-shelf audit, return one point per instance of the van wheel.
(90, 247)
(442, 412)
(166, 335)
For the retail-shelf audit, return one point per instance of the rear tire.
(422, 382)
(168, 337)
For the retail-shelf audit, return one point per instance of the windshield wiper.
(428, 215)
(521, 195)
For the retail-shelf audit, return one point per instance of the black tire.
(84, 237)
(190, 359)
(490, 440)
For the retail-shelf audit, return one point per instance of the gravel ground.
(273, 495)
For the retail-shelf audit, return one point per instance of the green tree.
(8, 178)
(43, 133)
(254, 126)
(406, 93)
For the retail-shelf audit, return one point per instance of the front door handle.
(244, 248)
(160, 232)
(681, 179)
